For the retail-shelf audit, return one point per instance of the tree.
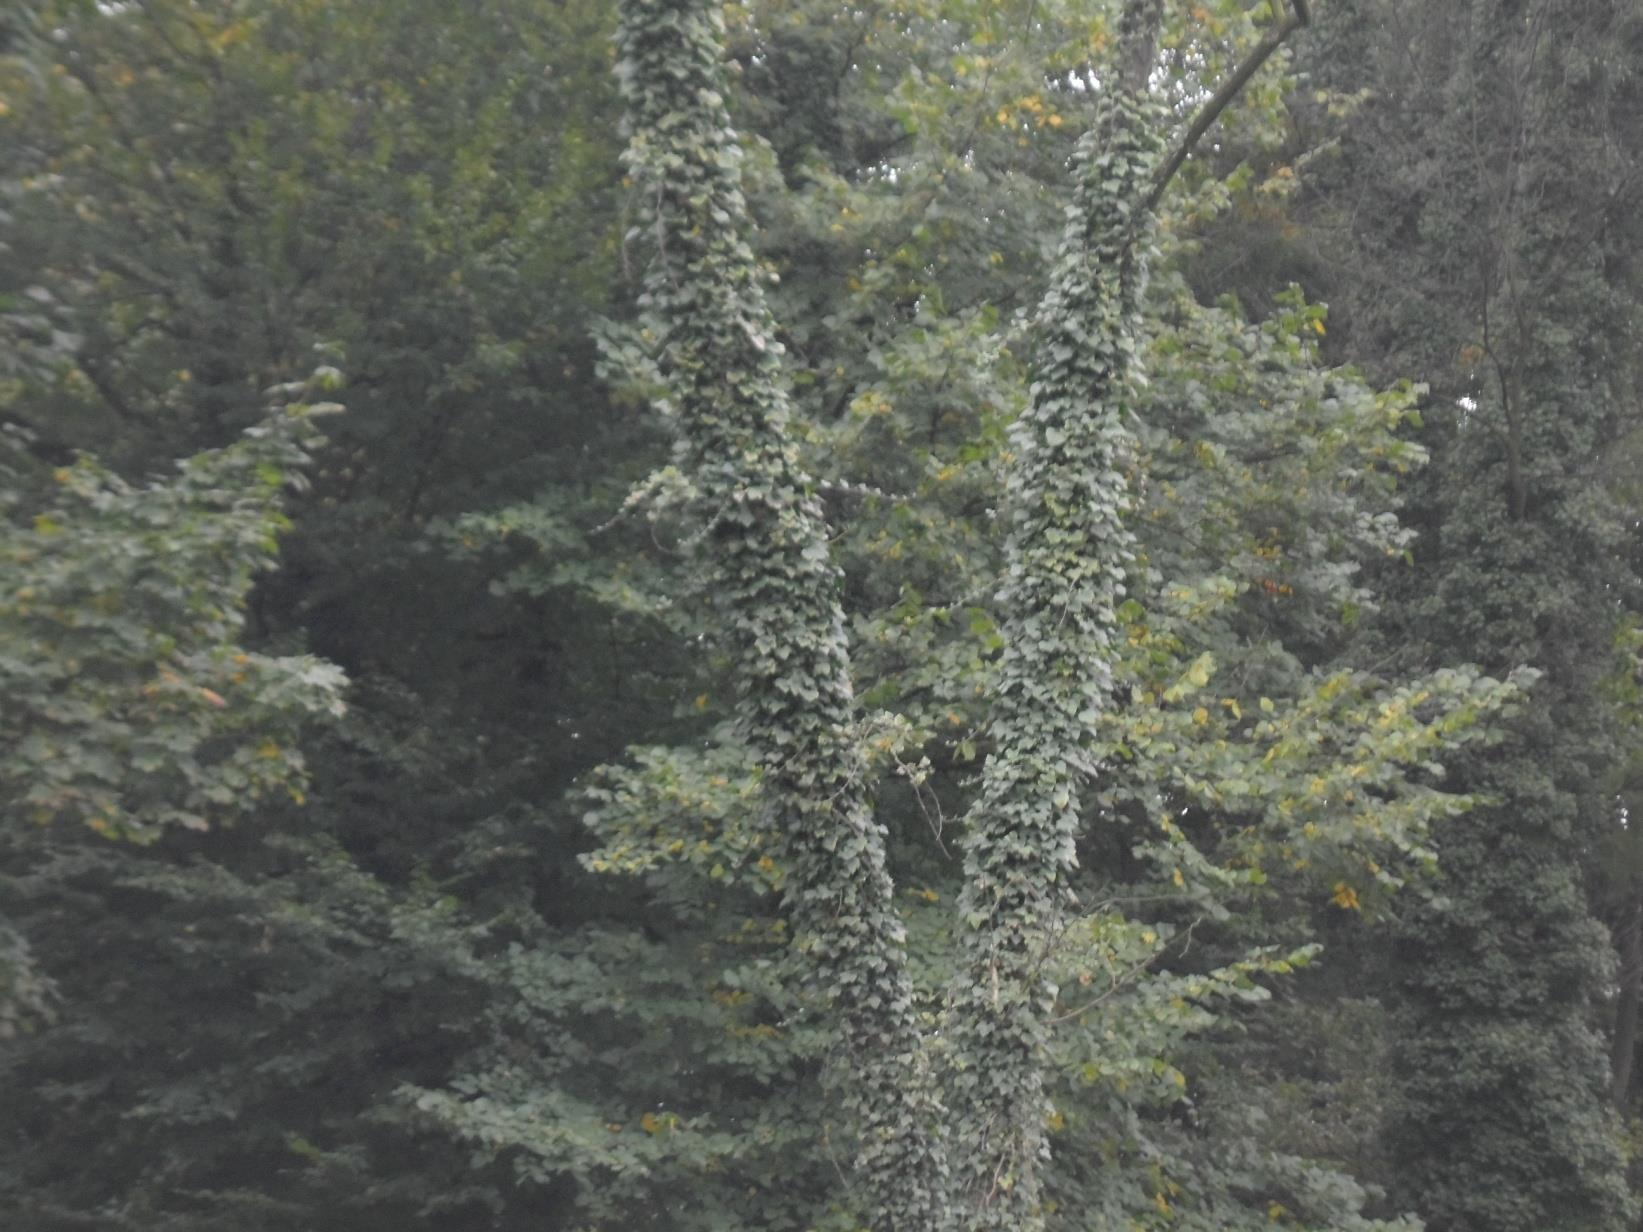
(764, 542)
(1066, 561)
(525, 957)
(1486, 163)
(132, 705)
(449, 238)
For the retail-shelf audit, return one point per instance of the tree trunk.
(765, 554)
(1623, 1048)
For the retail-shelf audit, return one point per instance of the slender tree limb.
(1299, 14)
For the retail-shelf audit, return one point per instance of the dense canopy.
(785, 615)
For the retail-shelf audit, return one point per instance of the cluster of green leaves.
(25, 994)
(132, 704)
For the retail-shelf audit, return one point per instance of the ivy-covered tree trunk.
(1496, 207)
(1065, 560)
(764, 549)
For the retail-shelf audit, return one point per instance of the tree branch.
(1300, 14)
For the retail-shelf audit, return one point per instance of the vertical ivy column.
(766, 557)
(1066, 558)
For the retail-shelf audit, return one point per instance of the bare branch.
(1300, 14)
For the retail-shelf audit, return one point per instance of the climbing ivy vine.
(1066, 559)
(763, 546)
(972, 1150)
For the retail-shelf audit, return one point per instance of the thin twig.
(1300, 14)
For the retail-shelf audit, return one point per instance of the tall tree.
(195, 191)
(764, 544)
(427, 1012)
(1065, 564)
(1486, 204)
(1067, 561)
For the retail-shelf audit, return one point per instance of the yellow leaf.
(268, 750)
(1199, 673)
(230, 34)
(1177, 878)
(1344, 897)
(650, 1124)
(701, 701)
(1200, 716)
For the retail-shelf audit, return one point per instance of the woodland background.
(382, 842)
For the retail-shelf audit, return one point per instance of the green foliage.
(194, 1021)
(131, 704)
(1522, 558)
(763, 543)
(25, 995)
(314, 192)
(1065, 562)
(557, 940)
(935, 657)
